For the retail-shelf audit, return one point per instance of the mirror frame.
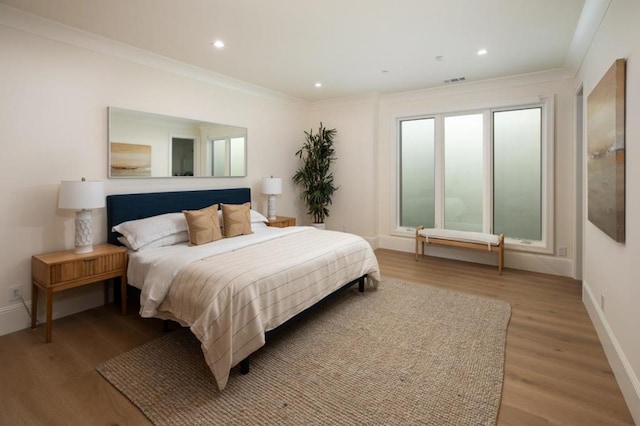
(133, 135)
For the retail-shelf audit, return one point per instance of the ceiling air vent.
(455, 80)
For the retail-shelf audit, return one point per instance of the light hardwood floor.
(556, 372)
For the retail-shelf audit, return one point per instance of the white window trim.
(547, 102)
(548, 178)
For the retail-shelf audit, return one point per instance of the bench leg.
(419, 242)
(501, 255)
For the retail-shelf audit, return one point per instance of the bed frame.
(124, 207)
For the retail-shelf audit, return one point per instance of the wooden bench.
(473, 240)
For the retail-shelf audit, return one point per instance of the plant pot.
(319, 225)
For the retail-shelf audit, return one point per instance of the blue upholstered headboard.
(124, 207)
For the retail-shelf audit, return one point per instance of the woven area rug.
(402, 354)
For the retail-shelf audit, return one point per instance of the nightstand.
(282, 221)
(62, 270)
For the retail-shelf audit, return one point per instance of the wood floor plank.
(556, 372)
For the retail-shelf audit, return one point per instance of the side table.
(62, 270)
(282, 221)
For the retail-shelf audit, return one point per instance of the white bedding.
(230, 292)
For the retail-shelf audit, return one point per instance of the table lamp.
(82, 196)
(271, 186)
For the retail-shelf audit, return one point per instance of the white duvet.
(232, 291)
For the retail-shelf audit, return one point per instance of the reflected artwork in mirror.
(147, 145)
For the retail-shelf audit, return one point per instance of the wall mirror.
(146, 145)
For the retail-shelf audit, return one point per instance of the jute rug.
(402, 354)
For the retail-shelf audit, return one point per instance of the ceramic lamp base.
(84, 232)
(271, 209)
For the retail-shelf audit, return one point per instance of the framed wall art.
(129, 159)
(606, 152)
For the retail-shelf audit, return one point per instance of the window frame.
(210, 154)
(547, 104)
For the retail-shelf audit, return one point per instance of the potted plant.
(314, 176)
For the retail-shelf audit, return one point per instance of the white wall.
(53, 126)
(612, 269)
(355, 119)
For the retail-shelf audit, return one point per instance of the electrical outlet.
(602, 302)
(345, 228)
(15, 293)
(562, 251)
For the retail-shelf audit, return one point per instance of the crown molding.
(593, 12)
(469, 87)
(32, 24)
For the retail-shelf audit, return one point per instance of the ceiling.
(350, 46)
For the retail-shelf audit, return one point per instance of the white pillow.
(256, 217)
(169, 240)
(141, 232)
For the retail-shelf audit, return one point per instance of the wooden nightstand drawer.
(55, 268)
(87, 267)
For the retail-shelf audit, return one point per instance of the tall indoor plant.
(314, 176)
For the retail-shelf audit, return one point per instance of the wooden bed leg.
(361, 284)
(244, 366)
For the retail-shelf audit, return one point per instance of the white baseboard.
(627, 380)
(374, 242)
(534, 262)
(15, 317)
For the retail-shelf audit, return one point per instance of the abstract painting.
(129, 159)
(606, 152)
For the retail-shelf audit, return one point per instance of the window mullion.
(487, 162)
(439, 171)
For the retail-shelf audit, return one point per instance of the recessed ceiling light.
(482, 52)
(218, 44)
(318, 84)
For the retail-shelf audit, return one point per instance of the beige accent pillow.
(236, 219)
(203, 225)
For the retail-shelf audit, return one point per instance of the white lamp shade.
(81, 195)
(271, 185)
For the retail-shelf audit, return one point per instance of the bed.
(235, 291)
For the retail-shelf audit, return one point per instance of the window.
(463, 171)
(487, 171)
(417, 196)
(228, 156)
(517, 173)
